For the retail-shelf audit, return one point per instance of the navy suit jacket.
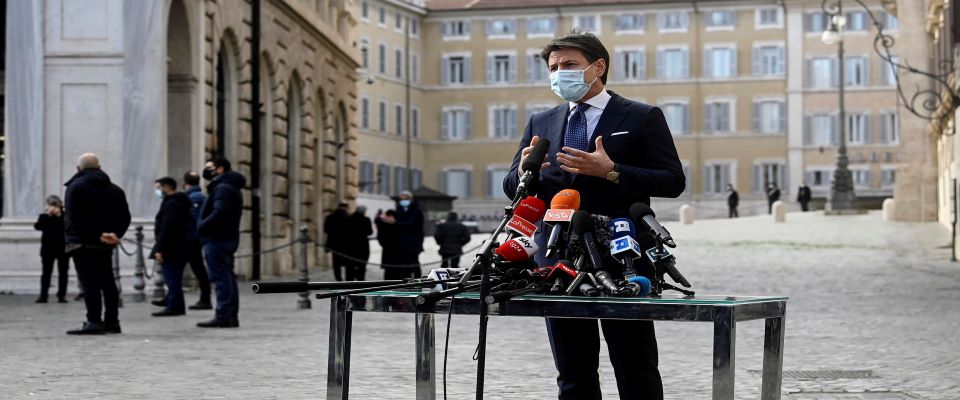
(649, 165)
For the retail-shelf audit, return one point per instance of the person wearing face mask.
(219, 231)
(171, 229)
(50, 223)
(615, 152)
(402, 238)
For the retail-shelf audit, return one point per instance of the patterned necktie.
(576, 135)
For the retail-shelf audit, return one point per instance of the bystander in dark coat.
(451, 235)
(52, 244)
(334, 228)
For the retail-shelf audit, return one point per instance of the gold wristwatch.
(614, 176)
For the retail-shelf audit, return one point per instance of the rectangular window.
(818, 177)
(890, 22)
(501, 68)
(822, 72)
(503, 122)
(365, 113)
(857, 71)
(495, 177)
(367, 183)
(364, 10)
(720, 19)
(820, 130)
(816, 22)
(888, 176)
(399, 179)
(535, 108)
(416, 178)
(398, 67)
(365, 53)
(769, 116)
(589, 23)
(457, 183)
(382, 58)
(630, 23)
(858, 128)
(398, 22)
(383, 179)
(861, 178)
(717, 117)
(889, 71)
(889, 128)
(501, 28)
(720, 62)
(630, 65)
(676, 116)
(455, 29)
(398, 119)
(673, 21)
(383, 116)
(455, 70)
(414, 27)
(672, 63)
(415, 67)
(767, 173)
(769, 18)
(415, 122)
(382, 20)
(768, 60)
(716, 176)
(537, 71)
(541, 26)
(455, 124)
(857, 21)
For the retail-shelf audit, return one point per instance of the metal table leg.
(724, 348)
(426, 360)
(338, 362)
(772, 359)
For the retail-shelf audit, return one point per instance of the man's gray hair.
(88, 160)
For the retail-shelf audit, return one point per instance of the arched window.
(294, 142)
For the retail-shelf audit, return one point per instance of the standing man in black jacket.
(359, 229)
(191, 186)
(451, 236)
(733, 201)
(50, 223)
(95, 220)
(171, 229)
(615, 152)
(334, 228)
(219, 230)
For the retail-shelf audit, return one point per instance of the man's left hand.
(580, 162)
(109, 238)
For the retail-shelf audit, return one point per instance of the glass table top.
(666, 298)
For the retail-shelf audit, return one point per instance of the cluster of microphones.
(591, 255)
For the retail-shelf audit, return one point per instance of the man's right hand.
(526, 151)
(109, 238)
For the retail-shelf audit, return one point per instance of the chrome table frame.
(723, 311)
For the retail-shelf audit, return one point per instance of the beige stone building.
(748, 89)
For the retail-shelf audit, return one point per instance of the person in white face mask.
(615, 152)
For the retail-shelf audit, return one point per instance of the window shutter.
(445, 125)
(466, 27)
(867, 131)
(834, 72)
(781, 60)
(490, 72)
(733, 17)
(660, 64)
(884, 128)
(468, 125)
(467, 70)
(865, 64)
(807, 130)
(642, 66)
(757, 66)
(489, 27)
(834, 129)
(512, 69)
(708, 118)
(724, 178)
(782, 123)
(512, 125)
(469, 183)
(686, 64)
(734, 71)
(784, 183)
(515, 24)
(444, 182)
(490, 184)
(445, 70)
(708, 63)
(707, 180)
(756, 117)
(619, 65)
(531, 64)
(757, 171)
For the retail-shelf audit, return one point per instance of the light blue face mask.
(159, 193)
(569, 84)
(404, 203)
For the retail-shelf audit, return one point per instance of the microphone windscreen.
(536, 157)
(517, 249)
(621, 227)
(639, 210)
(582, 223)
(531, 209)
(568, 199)
(644, 285)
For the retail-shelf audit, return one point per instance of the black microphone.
(583, 228)
(607, 281)
(589, 290)
(641, 213)
(531, 167)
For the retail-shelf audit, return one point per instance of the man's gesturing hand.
(580, 162)
(526, 152)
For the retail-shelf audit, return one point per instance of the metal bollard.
(116, 275)
(140, 270)
(304, 239)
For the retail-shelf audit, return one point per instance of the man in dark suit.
(172, 230)
(219, 231)
(615, 152)
(451, 235)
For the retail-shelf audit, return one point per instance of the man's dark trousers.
(63, 267)
(195, 258)
(220, 267)
(339, 263)
(95, 270)
(355, 270)
(450, 260)
(173, 275)
(633, 353)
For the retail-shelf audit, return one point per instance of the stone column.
(24, 109)
(916, 187)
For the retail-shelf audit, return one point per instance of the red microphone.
(516, 250)
(525, 217)
(561, 274)
(562, 206)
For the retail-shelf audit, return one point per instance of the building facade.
(748, 89)
(154, 87)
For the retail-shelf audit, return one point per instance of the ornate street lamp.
(841, 191)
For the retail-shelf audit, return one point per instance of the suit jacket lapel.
(610, 120)
(556, 124)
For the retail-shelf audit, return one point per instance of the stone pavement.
(865, 296)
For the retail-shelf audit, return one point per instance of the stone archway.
(181, 91)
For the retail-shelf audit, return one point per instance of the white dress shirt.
(597, 104)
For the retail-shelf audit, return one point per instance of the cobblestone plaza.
(872, 315)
